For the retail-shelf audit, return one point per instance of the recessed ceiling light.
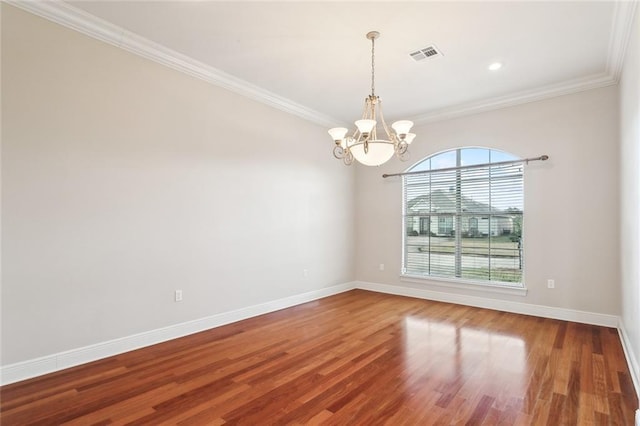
(495, 66)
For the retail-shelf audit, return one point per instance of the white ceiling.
(314, 55)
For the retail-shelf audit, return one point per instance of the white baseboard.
(632, 362)
(496, 304)
(59, 361)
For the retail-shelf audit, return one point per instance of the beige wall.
(630, 190)
(571, 201)
(123, 180)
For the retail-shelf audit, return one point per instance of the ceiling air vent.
(425, 53)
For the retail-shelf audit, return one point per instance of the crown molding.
(623, 14)
(76, 19)
(87, 24)
(622, 24)
(523, 97)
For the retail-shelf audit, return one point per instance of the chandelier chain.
(373, 67)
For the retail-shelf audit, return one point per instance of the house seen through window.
(463, 217)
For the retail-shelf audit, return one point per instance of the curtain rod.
(475, 166)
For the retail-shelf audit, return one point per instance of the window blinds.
(465, 223)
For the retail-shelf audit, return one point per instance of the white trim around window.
(438, 283)
(462, 220)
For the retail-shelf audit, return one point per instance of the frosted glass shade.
(365, 126)
(379, 153)
(402, 127)
(409, 137)
(338, 133)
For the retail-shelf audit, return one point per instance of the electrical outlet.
(381, 267)
(551, 284)
(305, 272)
(178, 296)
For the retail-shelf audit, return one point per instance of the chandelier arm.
(390, 135)
(374, 116)
(369, 108)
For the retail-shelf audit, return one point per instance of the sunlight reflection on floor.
(464, 358)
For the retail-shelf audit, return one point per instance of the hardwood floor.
(354, 358)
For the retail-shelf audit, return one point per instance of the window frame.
(505, 287)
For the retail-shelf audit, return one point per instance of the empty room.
(320, 212)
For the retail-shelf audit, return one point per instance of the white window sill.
(479, 286)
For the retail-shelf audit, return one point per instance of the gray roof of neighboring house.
(440, 201)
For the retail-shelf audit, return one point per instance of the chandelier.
(364, 145)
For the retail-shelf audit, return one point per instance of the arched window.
(463, 217)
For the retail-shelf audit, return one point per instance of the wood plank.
(355, 358)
